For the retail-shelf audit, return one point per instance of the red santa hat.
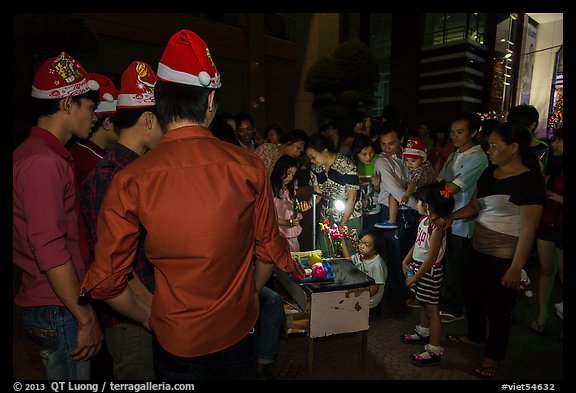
(60, 77)
(108, 94)
(187, 60)
(415, 148)
(137, 86)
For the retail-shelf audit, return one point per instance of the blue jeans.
(53, 331)
(269, 325)
(235, 362)
(398, 243)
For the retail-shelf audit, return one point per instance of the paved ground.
(531, 357)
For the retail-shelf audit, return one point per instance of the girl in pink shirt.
(288, 209)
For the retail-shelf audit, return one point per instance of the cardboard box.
(296, 320)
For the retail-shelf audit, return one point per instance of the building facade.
(431, 65)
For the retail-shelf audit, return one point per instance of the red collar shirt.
(208, 210)
(86, 155)
(47, 221)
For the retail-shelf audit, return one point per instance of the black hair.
(223, 131)
(391, 126)
(329, 124)
(176, 101)
(297, 135)
(442, 129)
(488, 125)
(127, 117)
(361, 141)
(222, 117)
(47, 107)
(318, 142)
(100, 118)
(520, 134)
(377, 237)
(240, 117)
(274, 126)
(435, 195)
(348, 122)
(280, 171)
(523, 114)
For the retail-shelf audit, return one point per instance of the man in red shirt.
(88, 152)
(208, 210)
(49, 243)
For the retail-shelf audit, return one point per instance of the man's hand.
(89, 341)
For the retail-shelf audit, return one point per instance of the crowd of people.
(148, 224)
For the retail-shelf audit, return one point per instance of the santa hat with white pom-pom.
(187, 60)
(60, 77)
(108, 94)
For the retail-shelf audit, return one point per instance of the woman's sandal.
(462, 339)
(485, 372)
(536, 327)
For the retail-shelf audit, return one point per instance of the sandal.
(425, 359)
(462, 339)
(485, 372)
(536, 327)
(414, 338)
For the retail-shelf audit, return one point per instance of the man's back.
(205, 204)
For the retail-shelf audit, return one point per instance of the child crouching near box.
(369, 261)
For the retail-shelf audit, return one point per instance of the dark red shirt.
(86, 155)
(48, 227)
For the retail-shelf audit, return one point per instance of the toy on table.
(315, 268)
(318, 270)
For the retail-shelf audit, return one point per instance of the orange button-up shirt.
(208, 210)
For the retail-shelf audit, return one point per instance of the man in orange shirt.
(208, 210)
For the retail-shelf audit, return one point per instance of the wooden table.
(334, 307)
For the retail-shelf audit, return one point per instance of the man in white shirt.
(389, 166)
(460, 174)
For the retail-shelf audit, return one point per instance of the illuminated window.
(441, 28)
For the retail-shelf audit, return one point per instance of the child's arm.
(409, 192)
(433, 251)
(376, 181)
(345, 251)
(374, 289)
(407, 260)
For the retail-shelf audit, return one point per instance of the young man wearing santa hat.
(88, 152)
(129, 343)
(208, 210)
(49, 243)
